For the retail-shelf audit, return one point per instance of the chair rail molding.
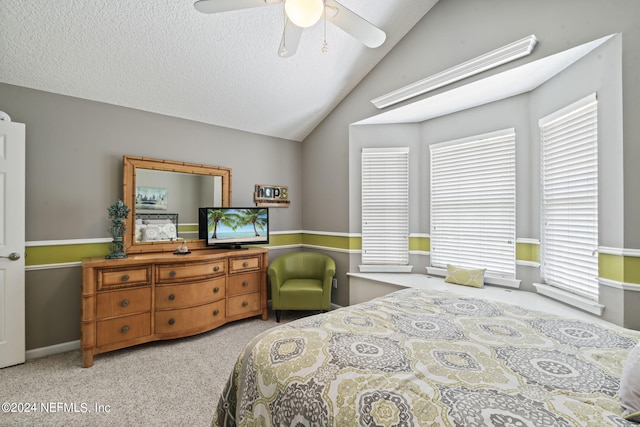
(619, 251)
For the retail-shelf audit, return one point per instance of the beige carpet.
(165, 383)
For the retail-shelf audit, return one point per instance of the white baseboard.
(52, 349)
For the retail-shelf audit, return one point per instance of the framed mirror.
(159, 192)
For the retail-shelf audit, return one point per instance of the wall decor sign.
(275, 196)
(151, 198)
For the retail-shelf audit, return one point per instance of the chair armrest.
(275, 280)
(329, 272)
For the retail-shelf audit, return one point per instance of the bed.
(430, 358)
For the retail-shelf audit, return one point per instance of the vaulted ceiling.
(165, 57)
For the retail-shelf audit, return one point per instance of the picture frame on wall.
(150, 198)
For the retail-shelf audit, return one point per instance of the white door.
(12, 200)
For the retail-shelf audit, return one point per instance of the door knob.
(13, 256)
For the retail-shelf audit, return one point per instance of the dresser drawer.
(172, 273)
(126, 301)
(168, 321)
(239, 265)
(243, 304)
(113, 278)
(244, 283)
(187, 294)
(123, 329)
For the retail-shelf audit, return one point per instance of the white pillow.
(168, 231)
(150, 233)
(630, 386)
(153, 232)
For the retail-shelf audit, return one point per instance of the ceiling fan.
(300, 14)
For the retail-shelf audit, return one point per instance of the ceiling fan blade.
(354, 24)
(216, 6)
(290, 39)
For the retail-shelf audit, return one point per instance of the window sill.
(577, 301)
(385, 268)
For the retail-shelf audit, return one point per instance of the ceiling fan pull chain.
(284, 51)
(325, 45)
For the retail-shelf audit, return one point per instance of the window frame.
(449, 246)
(570, 265)
(385, 209)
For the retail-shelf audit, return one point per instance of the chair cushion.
(301, 294)
(301, 285)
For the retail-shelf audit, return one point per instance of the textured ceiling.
(165, 57)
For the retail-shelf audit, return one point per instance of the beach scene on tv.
(233, 226)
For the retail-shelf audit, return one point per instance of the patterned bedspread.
(427, 358)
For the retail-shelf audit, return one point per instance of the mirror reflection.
(166, 200)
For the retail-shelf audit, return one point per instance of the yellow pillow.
(465, 276)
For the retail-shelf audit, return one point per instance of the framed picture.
(150, 198)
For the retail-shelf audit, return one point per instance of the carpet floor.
(165, 383)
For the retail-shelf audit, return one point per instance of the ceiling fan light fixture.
(304, 13)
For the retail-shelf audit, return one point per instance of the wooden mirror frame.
(129, 166)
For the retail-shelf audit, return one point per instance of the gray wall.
(74, 159)
(74, 152)
(453, 32)
(600, 72)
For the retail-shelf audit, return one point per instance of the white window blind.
(473, 203)
(569, 173)
(385, 206)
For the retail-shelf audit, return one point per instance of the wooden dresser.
(157, 296)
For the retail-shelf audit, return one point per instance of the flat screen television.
(233, 227)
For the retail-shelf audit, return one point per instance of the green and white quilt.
(427, 358)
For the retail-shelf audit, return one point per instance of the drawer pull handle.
(172, 273)
(124, 302)
(125, 278)
(125, 329)
(244, 303)
(172, 297)
(216, 290)
(216, 268)
(245, 284)
(216, 312)
(245, 264)
(171, 321)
